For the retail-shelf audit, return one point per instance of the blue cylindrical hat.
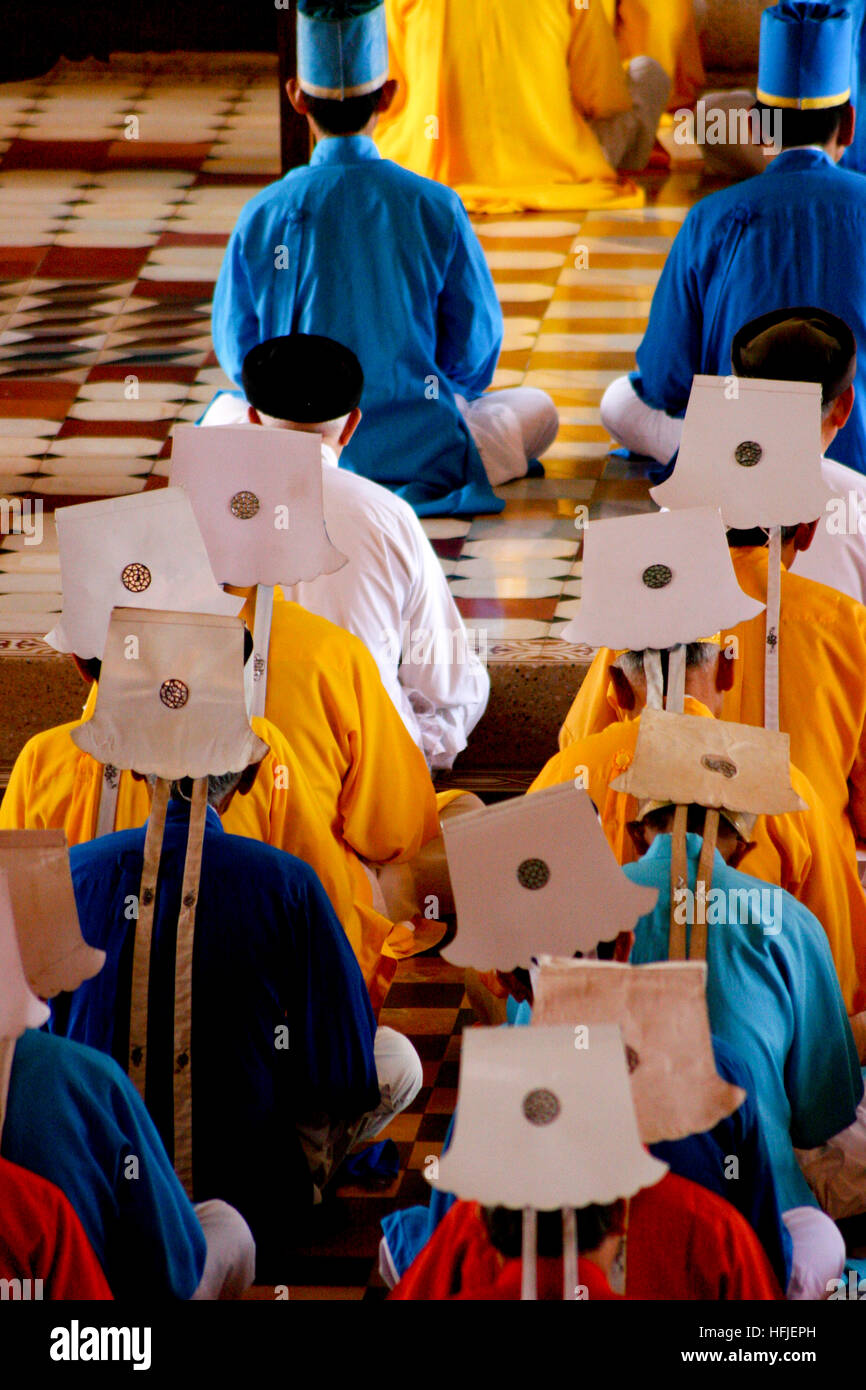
(342, 47)
(805, 57)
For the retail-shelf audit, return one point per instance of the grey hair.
(218, 786)
(697, 654)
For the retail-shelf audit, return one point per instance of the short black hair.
(303, 378)
(758, 535)
(345, 117)
(505, 1229)
(805, 127)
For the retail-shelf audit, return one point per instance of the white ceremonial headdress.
(19, 1006)
(755, 454)
(662, 1012)
(55, 955)
(536, 874)
(658, 581)
(681, 760)
(171, 704)
(171, 697)
(141, 551)
(541, 1124)
(257, 496)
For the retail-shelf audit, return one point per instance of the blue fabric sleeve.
(469, 319)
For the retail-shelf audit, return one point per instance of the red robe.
(684, 1242)
(42, 1238)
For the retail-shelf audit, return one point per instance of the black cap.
(805, 344)
(303, 378)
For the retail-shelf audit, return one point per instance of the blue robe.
(387, 263)
(773, 995)
(269, 955)
(855, 155)
(75, 1119)
(792, 235)
(703, 1158)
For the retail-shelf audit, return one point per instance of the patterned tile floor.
(119, 187)
(112, 229)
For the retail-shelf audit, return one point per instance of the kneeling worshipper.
(73, 1118)
(521, 855)
(261, 1112)
(641, 663)
(665, 30)
(517, 116)
(392, 593)
(318, 683)
(771, 988)
(754, 451)
(43, 1249)
(810, 344)
(147, 551)
(791, 235)
(566, 1116)
(356, 248)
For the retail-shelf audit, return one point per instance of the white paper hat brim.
(133, 728)
(98, 540)
(55, 955)
(620, 609)
(662, 1012)
(785, 488)
(590, 1152)
(585, 897)
(279, 472)
(19, 1007)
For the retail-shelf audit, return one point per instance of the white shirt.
(837, 555)
(393, 594)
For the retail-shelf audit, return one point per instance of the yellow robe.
(822, 680)
(495, 97)
(54, 785)
(664, 30)
(799, 851)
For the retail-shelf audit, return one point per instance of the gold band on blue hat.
(802, 103)
(343, 93)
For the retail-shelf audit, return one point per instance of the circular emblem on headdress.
(632, 1060)
(722, 765)
(174, 694)
(748, 453)
(244, 505)
(135, 577)
(657, 576)
(541, 1107)
(532, 873)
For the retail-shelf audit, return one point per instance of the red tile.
(17, 262)
(49, 400)
(139, 429)
(541, 609)
(131, 154)
(56, 154)
(93, 262)
(450, 548)
(119, 371)
(193, 239)
(174, 289)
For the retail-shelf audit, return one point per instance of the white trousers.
(400, 1075)
(230, 1265)
(510, 427)
(637, 425)
(836, 1172)
(818, 1254)
(628, 137)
